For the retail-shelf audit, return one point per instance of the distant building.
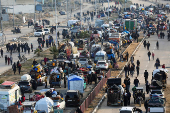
(20, 6)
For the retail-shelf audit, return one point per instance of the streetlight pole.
(95, 10)
(34, 11)
(108, 10)
(1, 23)
(81, 12)
(13, 15)
(67, 12)
(56, 25)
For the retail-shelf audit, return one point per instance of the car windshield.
(125, 111)
(39, 31)
(101, 63)
(156, 92)
(45, 29)
(71, 94)
(23, 83)
(100, 57)
(82, 59)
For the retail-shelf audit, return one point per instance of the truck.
(130, 24)
(114, 92)
(9, 94)
(39, 32)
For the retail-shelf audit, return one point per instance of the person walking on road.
(144, 44)
(32, 47)
(157, 64)
(136, 82)
(126, 70)
(149, 54)
(146, 106)
(146, 74)
(58, 34)
(128, 96)
(147, 86)
(1, 52)
(19, 68)
(138, 62)
(127, 56)
(132, 68)
(127, 82)
(11, 59)
(132, 59)
(157, 45)
(8, 60)
(148, 45)
(153, 55)
(125, 99)
(137, 70)
(14, 67)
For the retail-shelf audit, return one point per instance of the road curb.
(130, 56)
(96, 108)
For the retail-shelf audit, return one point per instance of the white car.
(130, 110)
(83, 61)
(59, 104)
(102, 64)
(39, 32)
(47, 31)
(158, 92)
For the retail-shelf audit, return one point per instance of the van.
(72, 98)
(9, 94)
(100, 55)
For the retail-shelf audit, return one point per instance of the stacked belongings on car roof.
(36, 72)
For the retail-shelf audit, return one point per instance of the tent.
(76, 83)
(44, 104)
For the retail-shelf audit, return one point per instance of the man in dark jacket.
(137, 70)
(128, 95)
(126, 70)
(146, 105)
(148, 45)
(1, 52)
(127, 82)
(146, 75)
(149, 54)
(144, 44)
(136, 82)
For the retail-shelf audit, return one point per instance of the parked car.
(158, 92)
(47, 31)
(62, 13)
(102, 64)
(26, 86)
(72, 98)
(39, 32)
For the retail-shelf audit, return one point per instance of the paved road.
(163, 54)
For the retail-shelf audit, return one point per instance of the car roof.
(101, 60)
(127, 108)
(72, 91)
(139, 87)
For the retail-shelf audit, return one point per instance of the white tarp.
(26, 77)
(44, 104)
(54, 71)
(77, 85)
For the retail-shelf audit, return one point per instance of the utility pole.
(67, 12)
(108, 10)
(56, 25)
(34, 11)
(13, 15)
(1, 23)
(95, 10)
(81, 12)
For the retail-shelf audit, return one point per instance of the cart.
(139, 96)
(55, 80)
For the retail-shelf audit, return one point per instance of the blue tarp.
(79, 85)
(126, 31)
(38, 7)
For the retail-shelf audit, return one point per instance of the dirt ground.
(167, 95)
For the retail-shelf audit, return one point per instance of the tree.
(37, 51)
(54, 51)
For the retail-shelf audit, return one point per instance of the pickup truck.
(39, 32)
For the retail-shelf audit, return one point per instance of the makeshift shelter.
(76, 83)
(44, 104)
